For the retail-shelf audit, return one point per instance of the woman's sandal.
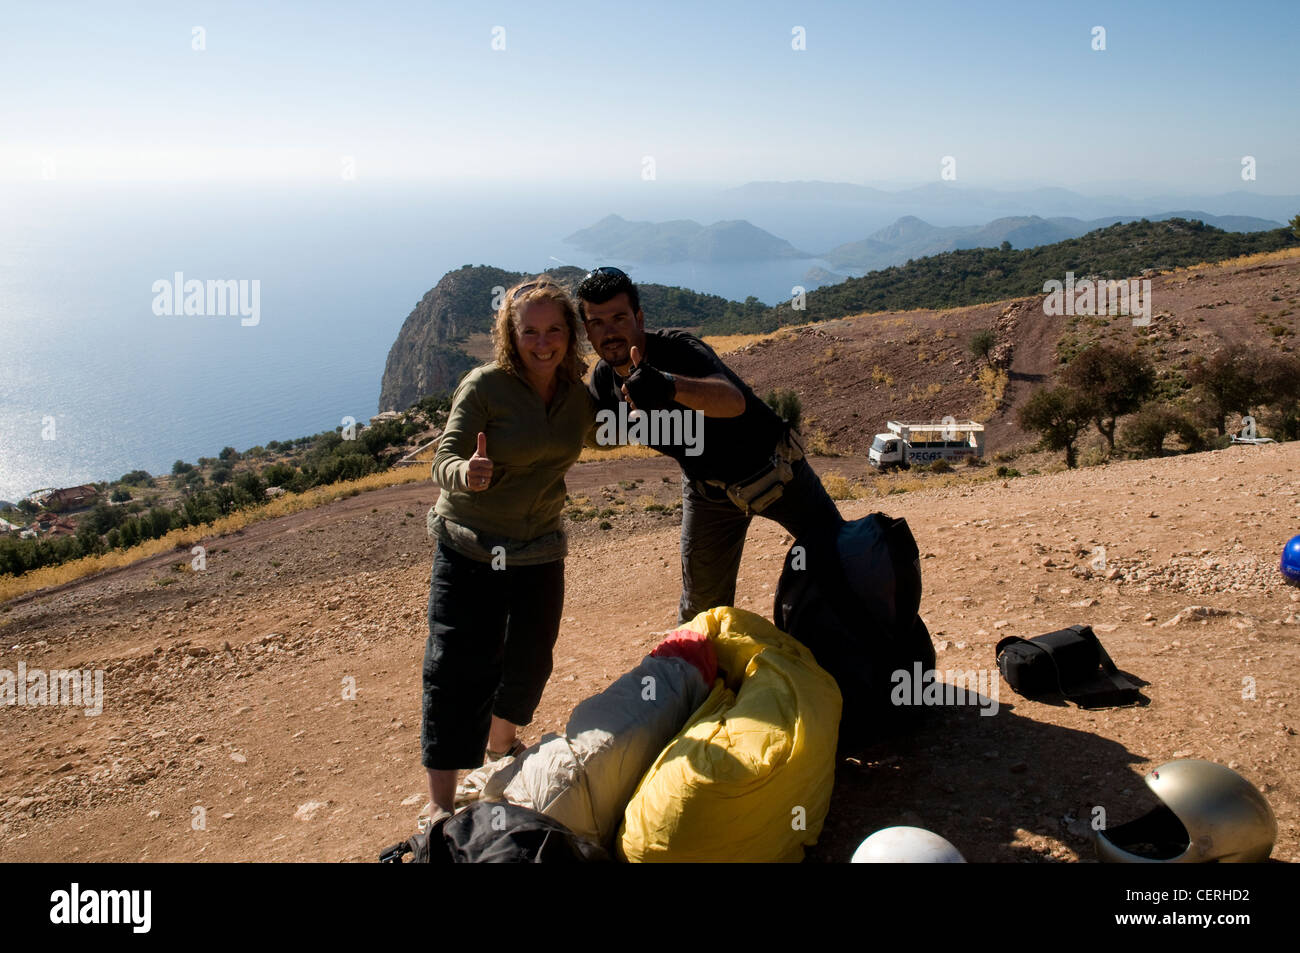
(514, 751)
(429, 817)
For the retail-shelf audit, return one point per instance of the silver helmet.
(1208, 813)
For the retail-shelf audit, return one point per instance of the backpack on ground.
(853, 597)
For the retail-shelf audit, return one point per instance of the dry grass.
(993, 382)
(617, 452)
(840, 487)
(902, 481)
(815, 443)
(183, 539)
(1282, 254)
(726, 343)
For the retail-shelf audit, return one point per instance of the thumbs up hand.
(646, 387)
(635, 355)
(479, 475)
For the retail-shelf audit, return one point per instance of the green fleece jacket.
(531, 446)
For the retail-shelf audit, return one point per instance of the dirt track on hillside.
(223, 689)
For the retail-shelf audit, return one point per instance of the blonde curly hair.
(506, 347)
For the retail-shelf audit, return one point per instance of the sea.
(98, 376)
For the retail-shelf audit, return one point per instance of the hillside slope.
(856, 373)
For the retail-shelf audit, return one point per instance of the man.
(748, 462)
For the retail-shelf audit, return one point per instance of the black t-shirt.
(732, 448)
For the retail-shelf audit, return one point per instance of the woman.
(497, 588)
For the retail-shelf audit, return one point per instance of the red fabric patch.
(694, 648)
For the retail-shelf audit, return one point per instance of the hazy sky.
(714, 92)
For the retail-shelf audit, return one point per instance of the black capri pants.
(491, 633)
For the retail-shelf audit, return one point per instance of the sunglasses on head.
(606, 270)
(524, 288)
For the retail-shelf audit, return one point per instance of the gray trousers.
(713, 535)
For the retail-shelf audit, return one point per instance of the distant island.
(681, 240)
(910, 237)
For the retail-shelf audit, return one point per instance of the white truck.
(907, 444)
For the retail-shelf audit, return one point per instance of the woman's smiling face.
(542, 338)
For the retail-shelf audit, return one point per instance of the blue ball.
(1291, 561)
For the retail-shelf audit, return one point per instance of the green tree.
(180, 467)
(1230, 381)
(252, 485)
(1058, 416)
(1295, 226)
(1153, 422)
(1117, 380)
(160, 521)
(787, 406)
(1279, 381)
(278, 474)
(982, 343)
(228, 453)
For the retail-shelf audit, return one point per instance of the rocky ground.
(231, 731)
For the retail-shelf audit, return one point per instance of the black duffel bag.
(852, 597)
(1069, 662)
(496, 832)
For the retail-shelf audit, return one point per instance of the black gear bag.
(852, 597)
(1070, 662)
(489, 832)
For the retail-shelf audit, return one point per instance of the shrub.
(787, 405)
(279, 474)
(1058, 415)
(839, 487)
(1118, 381)
(1147, 431)
(982, 343)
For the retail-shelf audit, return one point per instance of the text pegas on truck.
(907, 444)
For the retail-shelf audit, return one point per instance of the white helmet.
(906, 845)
